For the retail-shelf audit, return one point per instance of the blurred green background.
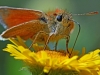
(88, 38)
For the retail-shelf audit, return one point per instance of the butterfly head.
(60, 22)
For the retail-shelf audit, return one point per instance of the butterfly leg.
(55, 47)
(36, 38)
(67, 41)
(47, 41)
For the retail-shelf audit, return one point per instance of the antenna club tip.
(93, 13)
(96, 12)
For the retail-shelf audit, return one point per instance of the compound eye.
(59, 18)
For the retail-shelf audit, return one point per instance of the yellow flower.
(50, 62)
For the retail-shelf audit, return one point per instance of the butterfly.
(36, 25)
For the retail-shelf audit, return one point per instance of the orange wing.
(25, 30)
(10, 16)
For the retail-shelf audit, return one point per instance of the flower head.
(50, 62)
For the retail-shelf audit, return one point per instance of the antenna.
(76, 37)
(88, 14)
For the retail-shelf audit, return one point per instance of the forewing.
(10, 16)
